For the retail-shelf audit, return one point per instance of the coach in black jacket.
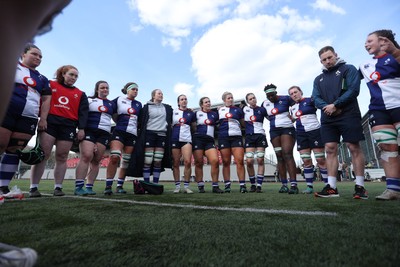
(335, 93)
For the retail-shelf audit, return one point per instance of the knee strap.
(319, 155)
(385, 136)
(278, 153)
(260, 154)
(305, 155)
(115, 153)
(148, 158)
(125, 160)
(158, 156)
(250, 155)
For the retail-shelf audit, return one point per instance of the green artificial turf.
(266, 229)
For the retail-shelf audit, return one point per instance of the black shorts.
(97, 136)
(349, 128)
(177, 144)
(20, 124)
(281, 131)
(382, 117)
(125, 138)
(255, 140)
(230, 141)
(202, 142)
(311, 139)
(60, 132)
(153, 139)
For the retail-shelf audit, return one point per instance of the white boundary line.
(159, 204)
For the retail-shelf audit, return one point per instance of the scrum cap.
(32, 156)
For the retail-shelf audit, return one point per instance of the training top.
(254, 119)
(305, 114)
(339, 85)
(157, 122)
(68, 107)
(181, 121)
(229, 121)
(278, 112)
(100, 113)
(29, 86)
(382, 75)
(206, 122)
(128, 111)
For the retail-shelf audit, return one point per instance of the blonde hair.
(225, 94)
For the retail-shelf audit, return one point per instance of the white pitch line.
(252, 210)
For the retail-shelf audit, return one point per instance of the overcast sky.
(206, 47)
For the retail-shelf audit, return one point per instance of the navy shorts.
(177, 144)
(382, 117)
(230, 141)
(59, 132)
(255, 140)
(349, 128)
(20, 124)
(281, 131)
(311, 139)
(125, 138)
(97, 136)
(203, 142)
(155, 140)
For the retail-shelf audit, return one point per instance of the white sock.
(360, 180)
(332, 181)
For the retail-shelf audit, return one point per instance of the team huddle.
(148, 138)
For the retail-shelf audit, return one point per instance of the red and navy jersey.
(254, 119)
(65, 101)
(29, 86)
(305, 114)
(128, 111)
(206, 122)
(278, 112)
(382, 75)
(100, 114)
(68, 107)
(181, 121)
(229, 121)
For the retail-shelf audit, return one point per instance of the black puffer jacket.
(136, 163)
